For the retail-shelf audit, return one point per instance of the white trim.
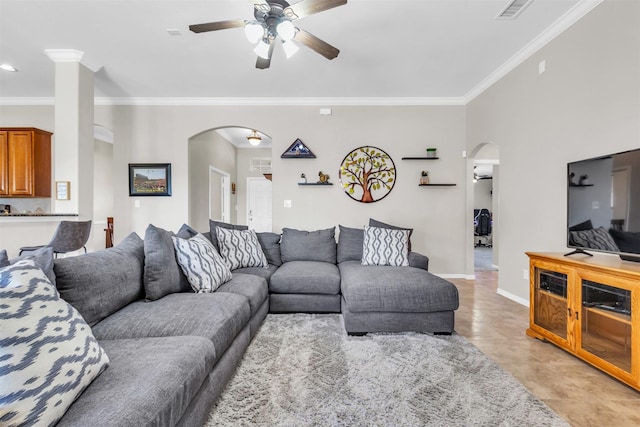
(513, 297)
(565, 21)
(18, 101)
(456, 276)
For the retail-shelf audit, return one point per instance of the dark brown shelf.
(316, 183)
(420, 158)
(436, 185)
(580, 185)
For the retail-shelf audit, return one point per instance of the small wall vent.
(513, 9)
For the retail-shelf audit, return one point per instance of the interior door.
(219, 195)
(259, 204)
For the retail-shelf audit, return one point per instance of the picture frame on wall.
(149, 179)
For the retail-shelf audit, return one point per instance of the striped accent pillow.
(200, 262)
(598, 238)
(384, 246)
(48, 354)
(240, 248)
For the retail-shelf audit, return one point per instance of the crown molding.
(249, 102)
(369, 101)
(560, 25)
(64, 55)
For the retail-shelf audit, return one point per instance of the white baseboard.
(513, 297)
(456, 276)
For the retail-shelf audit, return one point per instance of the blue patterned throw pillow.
(200, 262)
(48, 354)
(384, 246)
(240, 248)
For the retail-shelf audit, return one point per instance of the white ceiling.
(389, 48)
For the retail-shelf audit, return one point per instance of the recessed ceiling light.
(7, 67)
(174, 32)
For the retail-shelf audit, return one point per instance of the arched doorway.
(220, 162)
(483, 195)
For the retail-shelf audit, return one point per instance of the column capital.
(64, 55)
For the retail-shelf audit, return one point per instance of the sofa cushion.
(270, 243)
(380, 224)
(100, 283)
(240, 248)
(298, 245)
(265, 273)
(214, 224)
(200, 262)
(350, 243)
(384, 246)
(627, 241)
(162, 274)
(217, 316)
(395, 289)
(48, 354)
(306, 277)
(151, 382)
(186, 232)
(253, 288)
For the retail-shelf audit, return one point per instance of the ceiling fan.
(273, 19)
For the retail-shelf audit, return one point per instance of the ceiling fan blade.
(261, 5)
(262, 63)
(214, 26)
(309, 7)
(320, 46)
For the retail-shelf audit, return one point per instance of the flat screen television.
(603, 205)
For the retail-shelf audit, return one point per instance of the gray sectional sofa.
(172, 351)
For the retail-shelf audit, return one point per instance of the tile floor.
(576, 391)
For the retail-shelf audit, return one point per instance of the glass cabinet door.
(550, 303)
(606, 323)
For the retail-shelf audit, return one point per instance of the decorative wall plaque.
(367, 174)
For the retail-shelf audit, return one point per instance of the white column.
(73, 133)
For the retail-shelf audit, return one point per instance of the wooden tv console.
(590, 307)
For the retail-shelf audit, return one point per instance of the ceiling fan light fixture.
(253, 31)
(254, 138)
(290, 48)
(286, 30)
(262, 49)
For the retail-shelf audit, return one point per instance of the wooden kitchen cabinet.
(25, 162)
(589, 307)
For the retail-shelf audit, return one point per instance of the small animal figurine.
(323, 178)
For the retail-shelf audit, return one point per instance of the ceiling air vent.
(513, 9)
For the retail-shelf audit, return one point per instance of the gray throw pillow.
(350, 244)
(43, 258)
(298, 245)
(186, 232)
(212, 230)
(162, 274)
(100, 283)
(270, 243)
(380, 224)
(4, 259)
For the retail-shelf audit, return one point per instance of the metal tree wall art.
(367, 174)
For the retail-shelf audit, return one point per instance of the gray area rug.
(304, 370)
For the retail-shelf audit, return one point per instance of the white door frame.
(226, 192)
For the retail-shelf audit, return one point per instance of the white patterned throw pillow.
(48, 354)
(240, 248)
(384, 246)
(201, 263)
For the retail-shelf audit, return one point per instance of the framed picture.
(62, 190)
(149, 179)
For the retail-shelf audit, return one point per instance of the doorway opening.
(219, 195)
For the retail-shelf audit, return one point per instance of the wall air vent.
(513, 9)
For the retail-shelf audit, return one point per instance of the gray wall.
(587, 103)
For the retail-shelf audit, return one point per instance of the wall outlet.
(525, 274)
(287, 203)
(136, 203)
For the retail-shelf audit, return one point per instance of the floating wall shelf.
(420, 158)
(319, 184)
(436, 185)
